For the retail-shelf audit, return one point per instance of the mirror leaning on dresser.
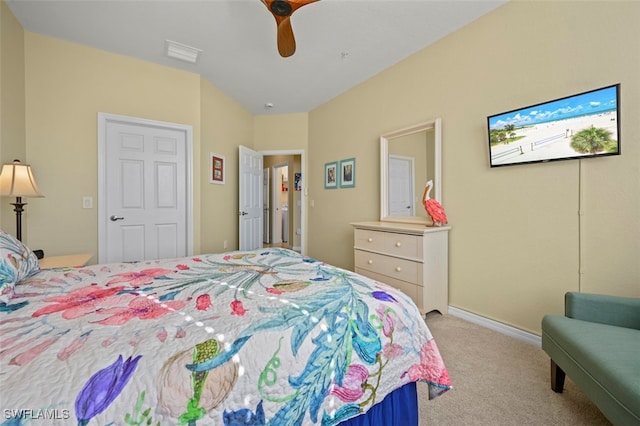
(405, 251)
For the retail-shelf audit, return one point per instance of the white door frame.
(303, 197)
(103, 120)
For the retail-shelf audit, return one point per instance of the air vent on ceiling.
(182, 51)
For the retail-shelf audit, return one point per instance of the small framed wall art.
(348, 173)
(331, 175)
(216, 168)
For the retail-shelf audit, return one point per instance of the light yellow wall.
(225, 125)
(12, 110)
(287, 132)
(515, 236)
(66, 86)
(281, 132)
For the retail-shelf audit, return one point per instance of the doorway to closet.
(283, 201)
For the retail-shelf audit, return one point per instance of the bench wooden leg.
(557, 378)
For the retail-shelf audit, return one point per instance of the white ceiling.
(340, 43)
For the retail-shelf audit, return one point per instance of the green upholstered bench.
(597, 343)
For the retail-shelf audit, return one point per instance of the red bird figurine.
(433, 207)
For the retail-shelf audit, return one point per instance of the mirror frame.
(436, 125)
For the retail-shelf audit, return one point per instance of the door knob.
(113, 218)
(243, 214)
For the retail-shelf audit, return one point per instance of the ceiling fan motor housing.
(281, 8)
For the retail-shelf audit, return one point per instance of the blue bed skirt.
(400, 408)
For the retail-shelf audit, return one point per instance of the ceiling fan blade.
(286, 39)
(282, 11)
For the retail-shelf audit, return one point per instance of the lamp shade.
(16, 180)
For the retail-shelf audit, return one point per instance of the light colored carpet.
(498, 380)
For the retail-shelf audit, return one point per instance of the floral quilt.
(260, 337)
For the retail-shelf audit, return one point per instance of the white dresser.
(410, 257)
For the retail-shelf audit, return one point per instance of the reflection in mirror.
(409, 158)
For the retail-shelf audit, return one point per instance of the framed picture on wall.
(348, 173)
(331, 175)
(216, 169)
(297, 181)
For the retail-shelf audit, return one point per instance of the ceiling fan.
(282, 11)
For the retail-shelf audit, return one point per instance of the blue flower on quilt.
(103, 388)
(245, 417)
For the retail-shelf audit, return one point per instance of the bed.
(238, 338)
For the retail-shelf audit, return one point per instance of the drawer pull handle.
(370, 240)
(398, 244)
(370, 262)
(398, 269)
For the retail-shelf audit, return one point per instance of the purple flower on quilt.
(103, 388)
(384, 296)
(352, 383)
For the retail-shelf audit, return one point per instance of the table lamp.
(16, 180)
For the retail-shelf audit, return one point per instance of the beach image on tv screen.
(583, 125)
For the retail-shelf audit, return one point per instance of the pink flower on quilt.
(431, 367)
(273, 290)
(139, 278)
(79, 302)
(74, 346)
(203, 302)
(139, 307)
(388, 323)
(182, 267)
(237, 308)
(392, 350)
(162, 334)
(197, 259)
(351, 389)
(32, 353)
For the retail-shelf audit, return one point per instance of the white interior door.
(145, 190)
(401, 186)
(250, 199)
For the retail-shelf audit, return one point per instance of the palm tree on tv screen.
(593, 140)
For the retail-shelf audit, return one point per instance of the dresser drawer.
(394, 244)
(400, 269)
(415, 292)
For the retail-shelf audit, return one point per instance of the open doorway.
(284, 211)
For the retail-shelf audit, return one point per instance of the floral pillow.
(17, 262)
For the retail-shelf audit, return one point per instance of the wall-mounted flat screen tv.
(585, 125)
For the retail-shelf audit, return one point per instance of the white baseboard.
(497, 326)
